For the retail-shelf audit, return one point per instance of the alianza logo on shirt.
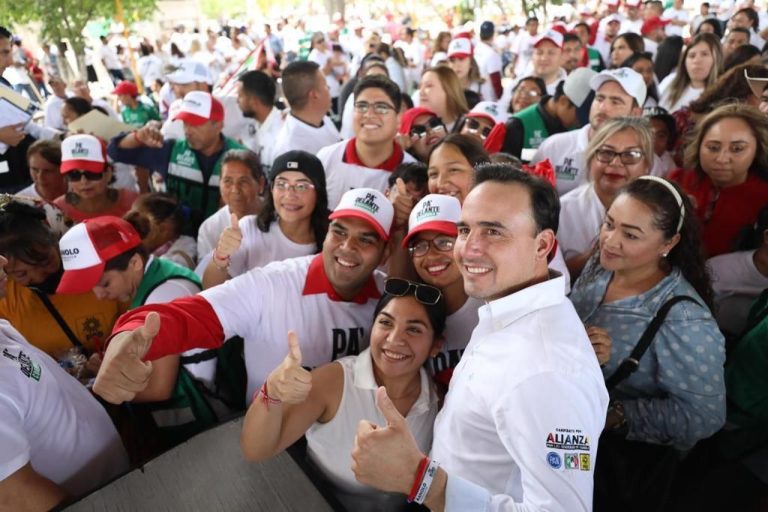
(186, 158)
(567, 439)
(367, 203)
(29, 368)
(427, 211)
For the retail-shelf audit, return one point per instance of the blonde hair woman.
(441, 92)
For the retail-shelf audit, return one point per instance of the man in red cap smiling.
(135, 112)
(192, 165)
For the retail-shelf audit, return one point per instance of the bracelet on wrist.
(220, 263)
(265, 398)
(417, 481)
(426, 482)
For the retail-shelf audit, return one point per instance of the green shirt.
(140, 115)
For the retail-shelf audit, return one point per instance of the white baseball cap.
(489, 110)
(83, 152)
(190, 71)
(435, 212)
(577, 85)
(460, 47)
(613, 17)
(630, 80)
(199, 107)
(368, 204)
(88, 246)
(550, 35)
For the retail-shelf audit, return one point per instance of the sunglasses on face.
(423, 293)
(474, 126)
(433, 125)
(441, 243)
(88, 175)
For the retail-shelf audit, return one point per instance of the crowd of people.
(492, 267)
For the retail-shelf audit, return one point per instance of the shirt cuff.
(462, 495)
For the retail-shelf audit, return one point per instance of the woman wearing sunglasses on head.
(293, 221)
(88, 174)
(328, 403)
(420, 130)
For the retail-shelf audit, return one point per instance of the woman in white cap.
(648, 267)
(463, 63)
(620, 151)
(328, 403)
(293, 221)
(88, 173)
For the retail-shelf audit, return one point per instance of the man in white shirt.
(547, 54)
(367, 159)
(256, 93)
(609, 29)
(527, 402)
(52, 107)
(111, 61)
(488, 59)
(307, 126)
(58, 442)
(522, 48)
(678, 17)
(327, 300)
(633, 21)
(618, 92)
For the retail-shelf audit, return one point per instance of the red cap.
(406, 120)
(652, 24)
(126, 87)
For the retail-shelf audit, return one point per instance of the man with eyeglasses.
(618, 93)
(527, 403)
(420, 130)
(367, 159)
(326, 299)
(527, 129)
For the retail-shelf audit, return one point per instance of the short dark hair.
(390, 88)
(162, 207)
(560, 91)
(741, 30)
(25, 234)
(531, 19)
(246, 157)
(544, 199)
(49, 149)
(410, 172)
(79, 105)
(571, 37)
(259, 85)
(751, 14)
(469, 146)
(5, 33)
(299, 78)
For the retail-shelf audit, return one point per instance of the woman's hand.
(229, 241)
(601, 343)
(289, 382)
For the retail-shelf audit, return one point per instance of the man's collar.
(390, 164)
(317, 283)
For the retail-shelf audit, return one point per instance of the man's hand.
(386, 458)
(123, 373)
(149, 135)
(289, 382)
(402, 202)
(12, 135)
(229, 241)
(601, 343)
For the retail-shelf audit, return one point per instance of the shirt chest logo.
(29, 368)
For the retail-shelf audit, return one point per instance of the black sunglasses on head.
(423, 293)
(78, 175)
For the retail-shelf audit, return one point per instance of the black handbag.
(633, 475)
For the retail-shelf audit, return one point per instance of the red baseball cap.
(198, 108)
(406, 120)
(126, 87)
(652, 24)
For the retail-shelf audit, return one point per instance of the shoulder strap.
(630, 365)
(59, 320)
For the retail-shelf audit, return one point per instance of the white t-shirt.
(266, 138)
(457, 332)
(676, 15)
(581, 214)
(527, 403)
(632, 26)
(321, 58)
(100, 102)
(30, 191)
(263, 304)
(650, 46)
(329, 445)
(296, 134)
(341, 176)
(488, 61)
(347, 130)
(109, 57)
(689, 94)
(52, 110)
(523, 48)
(736, 283)
(49, 419)
(210, 231)
(258, 248)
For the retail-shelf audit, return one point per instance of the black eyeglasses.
(630, 157)
(423, 293)
(79, 175)
(379, 107)
(433, 125)
(441, 243)
(474, 126)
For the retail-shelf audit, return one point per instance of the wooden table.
(209, 473)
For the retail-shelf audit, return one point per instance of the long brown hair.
(682, 79)
(455, 102)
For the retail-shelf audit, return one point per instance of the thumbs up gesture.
(386, 457)
(402, 202)
(230, 240)
(123, 373)
(289, 382)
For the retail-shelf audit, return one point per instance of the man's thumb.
(294, 350)
(387, 408)
(147, 333)
(234, 222)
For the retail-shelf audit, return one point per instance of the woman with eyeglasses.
(440, 91)
(620, 151)
(292, 223)
(649, 252)
(328, 403)
(88, 174)
(451, 167)
(420, 129)
(527, 92)
(726, 173)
